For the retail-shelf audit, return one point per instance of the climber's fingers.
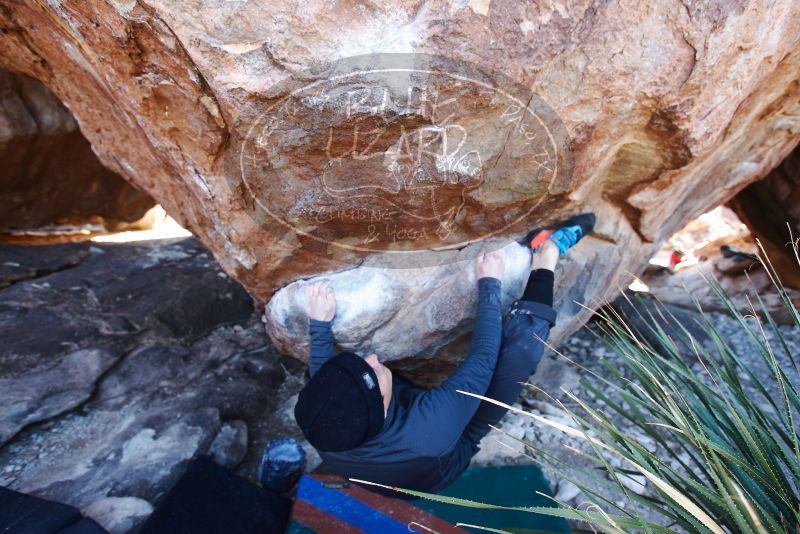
(490, 264)
(310, 289)
(314, 291)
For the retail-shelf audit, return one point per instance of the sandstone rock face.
(383, 310)
(50, 174)
(397, 314)
(771, 209)
(243, 122)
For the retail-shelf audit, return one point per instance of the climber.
(370, 425)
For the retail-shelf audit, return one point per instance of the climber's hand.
(490, 264)
(319, 298)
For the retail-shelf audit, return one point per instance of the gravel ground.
(501, 448)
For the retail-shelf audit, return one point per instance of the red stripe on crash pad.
(317, 520)
(397, 509)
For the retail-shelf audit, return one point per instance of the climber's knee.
(525, 333)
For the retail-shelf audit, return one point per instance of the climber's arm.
(321, 309)
(442, 413)
(321, 344)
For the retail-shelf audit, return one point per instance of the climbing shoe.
(565, 234)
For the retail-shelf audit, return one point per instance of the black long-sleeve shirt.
(414, 448)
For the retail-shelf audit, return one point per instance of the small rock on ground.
(118, 515)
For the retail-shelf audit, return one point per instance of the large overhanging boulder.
(655, 111)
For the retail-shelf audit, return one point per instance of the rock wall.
(50, 174)
(771, 209)
(667, 109)
(121, 362)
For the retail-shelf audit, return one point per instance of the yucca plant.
(727, 455)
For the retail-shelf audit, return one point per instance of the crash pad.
(509, 485)
(328, 503)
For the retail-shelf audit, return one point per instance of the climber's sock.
(540, 287)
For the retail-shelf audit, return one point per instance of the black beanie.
(341, 407)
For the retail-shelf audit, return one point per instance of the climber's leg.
(524, 333)
(528, 325)
(526, 330)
